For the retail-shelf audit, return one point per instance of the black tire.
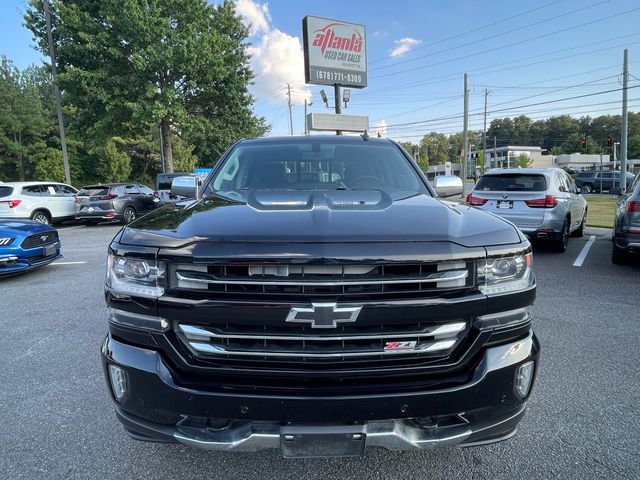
(580, 231)
(41, 216)
(129, 215)
(587, 188)
(618, 255)
(560, 245)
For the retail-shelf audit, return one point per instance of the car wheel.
(618, 255)
(580, 231)
(587, 188)
(129, 215)
(41, 216)
(560, 245)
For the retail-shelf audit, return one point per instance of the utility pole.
(306, 131)
(484, 134)
(623, 130)
(336, 93)
(56, 92)
(465, 135)
(495, 152)
(290, 117)
(162, 151)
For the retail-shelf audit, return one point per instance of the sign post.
(334, 54)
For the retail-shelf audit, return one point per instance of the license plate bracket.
(323, 444)
(49, 250)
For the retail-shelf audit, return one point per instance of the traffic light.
(583, 144)
(609, 141)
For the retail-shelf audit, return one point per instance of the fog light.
(523, 378)
(118, 379)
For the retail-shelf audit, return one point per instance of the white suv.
(45, 202)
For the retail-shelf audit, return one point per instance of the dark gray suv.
(118, 201)
(594, 181)
(626, 232)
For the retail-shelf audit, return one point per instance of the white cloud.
(255, 15)
(379, 128)
(276, 57)
(277, 60)
(404, 45)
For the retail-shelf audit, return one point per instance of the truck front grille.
(338, 345)
(322, 280)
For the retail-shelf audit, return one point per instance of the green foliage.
(49, 165)
(114, 164)
(128, 67)
(522, 161)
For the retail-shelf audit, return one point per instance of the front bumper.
(17, 260)
(157, 408)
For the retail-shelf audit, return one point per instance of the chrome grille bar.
(436, 346)
(197, 333)
(206, 278)
(430, 339)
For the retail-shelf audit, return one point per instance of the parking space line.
(585, 251)
(68, 263)
(71, 228)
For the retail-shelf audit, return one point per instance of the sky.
(534, 58)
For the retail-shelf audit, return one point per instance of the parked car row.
(51, 202)
(546, 204)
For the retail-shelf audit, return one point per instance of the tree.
(434, 146)
(522, 161)
(129, 66)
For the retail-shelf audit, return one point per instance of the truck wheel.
(587, 188)
(560, 245)
(41, 216)
(618, 255)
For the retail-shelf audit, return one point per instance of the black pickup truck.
(315, 295)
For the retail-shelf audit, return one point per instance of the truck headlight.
(505, 274)
(136, 276)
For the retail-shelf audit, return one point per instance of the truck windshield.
(315, 165)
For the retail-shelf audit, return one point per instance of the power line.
(513, 44)
(473, 30)
(495, 35)
(513, 108)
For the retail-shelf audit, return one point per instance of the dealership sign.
(334, 52)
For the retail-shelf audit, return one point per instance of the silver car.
(544, 203)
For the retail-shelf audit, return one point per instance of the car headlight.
(6, 241)
(505, 274)
(136, 276)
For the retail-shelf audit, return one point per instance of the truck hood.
(320, 217)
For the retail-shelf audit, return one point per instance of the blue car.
(25, 245)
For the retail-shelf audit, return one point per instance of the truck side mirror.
(447, 185)
(185, 186)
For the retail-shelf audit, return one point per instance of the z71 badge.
(408, 345)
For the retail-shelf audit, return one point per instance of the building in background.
(506, 157)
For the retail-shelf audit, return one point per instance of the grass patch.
(601, 211)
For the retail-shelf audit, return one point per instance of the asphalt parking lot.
(56, 420)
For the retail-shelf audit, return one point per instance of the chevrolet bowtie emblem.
(323, 315)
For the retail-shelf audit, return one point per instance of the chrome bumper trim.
(389, 434)
(243, 436)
